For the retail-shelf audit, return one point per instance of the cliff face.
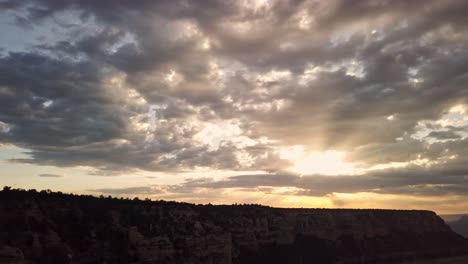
(56, 228)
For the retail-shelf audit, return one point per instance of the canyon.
(48, 227)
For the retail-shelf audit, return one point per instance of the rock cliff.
(45, 227)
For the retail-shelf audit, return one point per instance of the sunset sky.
(347, 104)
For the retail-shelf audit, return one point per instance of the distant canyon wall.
(460, 225)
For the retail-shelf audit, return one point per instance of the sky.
(323, 104)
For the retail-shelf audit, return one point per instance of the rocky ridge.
(46, 227)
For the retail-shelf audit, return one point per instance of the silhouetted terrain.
(47, 227)
(460, 225)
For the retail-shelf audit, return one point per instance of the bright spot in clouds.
(328, 162)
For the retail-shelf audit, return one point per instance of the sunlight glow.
(328, 162)
(173, 78)
(206, 44)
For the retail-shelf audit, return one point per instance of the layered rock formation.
(57, 228)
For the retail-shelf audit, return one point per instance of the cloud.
(129, 190)
(439, 180)
(141, 190)
(359, 78)
(412, 180)
(444, 135)
(48, 175)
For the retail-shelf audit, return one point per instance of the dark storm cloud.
(5, 5)
(357, 76)
(55, 103)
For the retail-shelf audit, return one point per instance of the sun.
(328, 162)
